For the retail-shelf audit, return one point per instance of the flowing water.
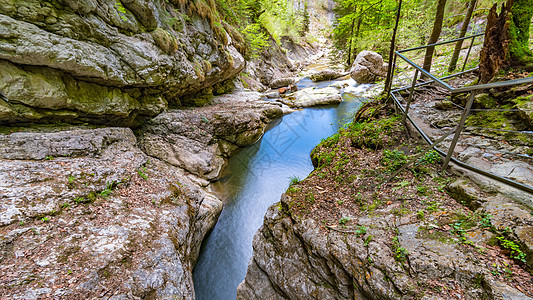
(254, 179)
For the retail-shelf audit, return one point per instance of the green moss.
(490, 119)
(519, 51)
(165, 41)
(485, 101)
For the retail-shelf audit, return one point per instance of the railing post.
(411, 91)
(468, 53)
(389, 88)
(459, 130)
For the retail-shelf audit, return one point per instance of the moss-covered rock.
(113, 62)
(525, 106)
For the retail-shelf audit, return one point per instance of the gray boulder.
(313, 97)
(368, 67)
(283, 82)
(325, 75)
(199, 141)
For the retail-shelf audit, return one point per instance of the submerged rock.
(313, 97)
(368, 67)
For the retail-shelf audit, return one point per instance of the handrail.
(437, 80)
(463, 89)
(466, 110)
(441, 43)
(493, 85)
(442, 153)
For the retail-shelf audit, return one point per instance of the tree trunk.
(464, 28)
(496, 45)
(519, 52)
(350, 45)
(388, 81)
(437, 27)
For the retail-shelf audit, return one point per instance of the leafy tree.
(368, 24)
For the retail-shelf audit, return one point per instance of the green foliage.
(256, 39)
(293, 180)
(109, 189)
(294, 190)
(344, 220)
(400, 253)
(368, 25)
(431, 157)
(280, 19)
(309, 197)
(256, 20)
(519, 28)
(375, 134)
(515, 253)
(393, 159)
(361, 231)
(121, 10)
(142, 173)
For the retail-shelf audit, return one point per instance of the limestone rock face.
(368, 67)
(105, 62)
(85, 213)
(199, 141)
(90, 213)
(313, 97)
(294, 258)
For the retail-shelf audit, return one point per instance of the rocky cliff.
(107, 62)
(86, 213)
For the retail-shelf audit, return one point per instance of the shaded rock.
(283, 82)
(444, 105)
(271, 64)
(325, 75)
(84, 62)
(200, 140)
(368, 67)
(525, 106)
(313, 97)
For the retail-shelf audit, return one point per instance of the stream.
(254, 179)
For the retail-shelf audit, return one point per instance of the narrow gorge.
(220, 149)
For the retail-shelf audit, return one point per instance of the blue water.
(254, 179)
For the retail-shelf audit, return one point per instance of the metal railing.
(448, 155)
